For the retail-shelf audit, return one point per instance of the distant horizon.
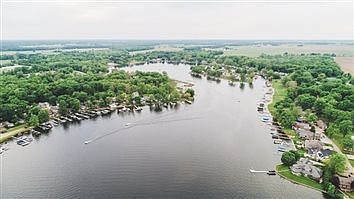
(211, 39)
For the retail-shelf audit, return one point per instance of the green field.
(342, 50)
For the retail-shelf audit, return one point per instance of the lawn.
(285, 172)
(279, 94)
(13, 131)
(351, 162)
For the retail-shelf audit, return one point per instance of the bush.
(288, 158)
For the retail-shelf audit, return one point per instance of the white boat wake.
(135, 124)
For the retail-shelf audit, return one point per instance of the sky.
(177, 19)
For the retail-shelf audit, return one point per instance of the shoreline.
(277, 165)
(269, 105)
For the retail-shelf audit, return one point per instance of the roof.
(302, 125)
(326, 152)
(313, 144)
(306, 167)
(321, 124)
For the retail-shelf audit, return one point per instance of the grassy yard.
(13, 131)
(285, 172)
(279, 94)
(351, 162)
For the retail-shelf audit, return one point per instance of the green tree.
(337, 163)
(287, 117)
(347, 143)
(306, 101)
(33, 120)
(43, 116)
(296, 153)
(288, 158)
(63, 107)
(311, 117)
(345, 127)
(190, 91)
(331, 189)
(75, 105)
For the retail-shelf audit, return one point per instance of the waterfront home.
(321, 124)
(313, 145)
(345, 183)
(301, 125)
(305, 167)
(44, 105)
(316, 151)
(308, 135)
(323, 154)
(53, 110)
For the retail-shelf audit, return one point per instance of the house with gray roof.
(308, 135)
(305, 167)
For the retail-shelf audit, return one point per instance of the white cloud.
(177, 21)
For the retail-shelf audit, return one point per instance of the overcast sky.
(177, 20)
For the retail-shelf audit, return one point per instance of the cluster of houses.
(315, 149)
(312, 134)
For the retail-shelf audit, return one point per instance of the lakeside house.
(345, 183)
(301, 125)
(308, 135)
(316, 150)
(305, 167)
(52, 110)
(321, 124)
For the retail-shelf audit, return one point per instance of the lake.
(202, 150)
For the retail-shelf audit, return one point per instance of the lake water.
(203, 150)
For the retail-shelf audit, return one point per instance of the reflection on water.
(203, 150)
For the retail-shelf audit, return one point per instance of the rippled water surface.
(203, 150)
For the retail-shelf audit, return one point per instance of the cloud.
(177, 21)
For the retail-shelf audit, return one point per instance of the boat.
(265, 119)
(22, 142)
(5, 148)
(188, 101)
(271, 173)
(281, 148)
(277, 141)
(284, 143)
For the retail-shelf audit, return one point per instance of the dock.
(270, 172)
